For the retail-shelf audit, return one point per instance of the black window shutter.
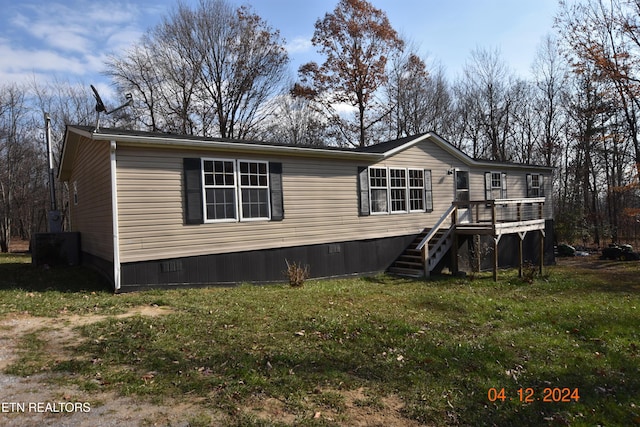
(487, 186)
(193, 208)
(277, 199)
(363, 191)
(428, 191)
(529, 185)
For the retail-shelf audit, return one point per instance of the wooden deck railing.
(500, 216)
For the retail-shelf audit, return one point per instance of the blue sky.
(69, 40)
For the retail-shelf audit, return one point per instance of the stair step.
(409, 264)
(409, 272)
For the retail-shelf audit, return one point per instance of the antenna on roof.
(100, 108)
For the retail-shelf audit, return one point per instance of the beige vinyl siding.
(320, 204)
(92, 216)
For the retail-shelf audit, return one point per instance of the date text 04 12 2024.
(528, 395)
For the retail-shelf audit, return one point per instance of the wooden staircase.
(410, 262)
(424, 255)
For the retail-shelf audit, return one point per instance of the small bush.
(529, 272)
(296, 273)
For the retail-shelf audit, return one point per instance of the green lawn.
(439, 346)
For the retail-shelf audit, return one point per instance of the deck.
(483, 217)
(498, 217)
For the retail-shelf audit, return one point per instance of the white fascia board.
(213, 145)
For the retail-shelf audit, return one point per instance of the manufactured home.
(164, 210)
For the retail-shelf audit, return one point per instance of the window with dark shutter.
(218, 190)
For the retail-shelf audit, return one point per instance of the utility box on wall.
(55, 249)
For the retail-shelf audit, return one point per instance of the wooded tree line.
(221, 71)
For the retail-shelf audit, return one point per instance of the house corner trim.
(114, 213)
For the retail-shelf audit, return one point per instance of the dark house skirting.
(265, 266)
(101, 265)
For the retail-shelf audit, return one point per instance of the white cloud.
(299, 45)
(70, 39)
(24, 60)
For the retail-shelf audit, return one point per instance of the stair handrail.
(436, 227)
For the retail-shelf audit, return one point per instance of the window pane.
(535, 181)
(415, 179)
(379, 201)
(220, 203)
(462, 180)
(415, 197)
(378, 177)
(398, 200)
(255, 203)
(496, 180)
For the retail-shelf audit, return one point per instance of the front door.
(462, 195)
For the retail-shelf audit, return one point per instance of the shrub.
(296, 273)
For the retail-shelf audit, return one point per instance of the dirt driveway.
(34, 401)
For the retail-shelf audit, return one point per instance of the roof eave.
(167, 142)
(469, 161)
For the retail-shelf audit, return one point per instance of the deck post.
(425, 260)
(496, 240)
(454, 248)
(542, 236)
(520, 253)
(454, 253)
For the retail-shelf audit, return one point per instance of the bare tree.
(138, 72)
(420, 97)
(550, 78)
(295, 121)
(243, 63)
(486, 96)
(208, 71)
(19, 163)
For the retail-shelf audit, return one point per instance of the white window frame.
(404, 188)
(254, 187)
(421, 189)
(407, 188)
(495, 186)
(378, 188)
(206, 186)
